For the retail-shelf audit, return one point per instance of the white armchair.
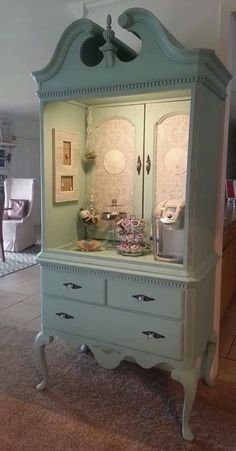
(18, 234)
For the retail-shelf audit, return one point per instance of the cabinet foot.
(84, 349)
(189, 379)
(208, 360)
(40, 342)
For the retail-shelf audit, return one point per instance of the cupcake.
(121, 235)
(134, 223)
(134, 248)
(119, 223)
(138, 237)
(124, 247)
(142, 223)
(126, 223)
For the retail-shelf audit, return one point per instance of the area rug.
(18, 260)
(88, 408)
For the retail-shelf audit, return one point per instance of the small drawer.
(75, 286)
(146, 298)
(153, 335)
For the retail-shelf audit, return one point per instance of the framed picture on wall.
(65, 145)
(230, 189)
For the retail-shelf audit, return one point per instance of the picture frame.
(230, 189)
(65, 145)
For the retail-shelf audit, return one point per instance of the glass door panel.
(168, 124)
(171, 157)
(117, 140)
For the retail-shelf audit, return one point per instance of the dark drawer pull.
(151, 334)
(142, 297)
(72, 285)
(63, 315)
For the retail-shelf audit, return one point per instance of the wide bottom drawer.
(154, 335)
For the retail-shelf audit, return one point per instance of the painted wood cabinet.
(153, 121)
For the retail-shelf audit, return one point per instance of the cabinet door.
(117, 138)
(166, 151)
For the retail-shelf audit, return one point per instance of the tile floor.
(20, 306)
(20, 298)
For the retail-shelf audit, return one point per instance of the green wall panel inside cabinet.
(60, 219)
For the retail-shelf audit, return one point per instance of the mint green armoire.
(131, 158)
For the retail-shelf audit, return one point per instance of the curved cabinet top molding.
(84, 46)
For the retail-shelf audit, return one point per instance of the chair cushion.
(20, 208)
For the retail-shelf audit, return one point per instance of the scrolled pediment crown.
(91, 50)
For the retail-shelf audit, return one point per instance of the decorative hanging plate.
(114, 161)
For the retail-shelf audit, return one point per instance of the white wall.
(195, 23)
(26, 156)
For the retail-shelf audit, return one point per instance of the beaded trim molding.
(132, 86)
(118, 276)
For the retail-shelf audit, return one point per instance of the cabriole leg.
(189, 379)
(208, 360)
(40, 342)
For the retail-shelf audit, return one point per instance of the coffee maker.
(168, 231)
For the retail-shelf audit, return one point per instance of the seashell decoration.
(89, 217)
(88, 245)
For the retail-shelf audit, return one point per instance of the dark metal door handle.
(63, 315)
(143, 297)
(72, 285)
(151, 334)
(139, 165)
(148, 164)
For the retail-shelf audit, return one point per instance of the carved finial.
(109, 22)
(109, 33)
(109, 50)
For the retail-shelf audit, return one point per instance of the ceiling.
(28, 37)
